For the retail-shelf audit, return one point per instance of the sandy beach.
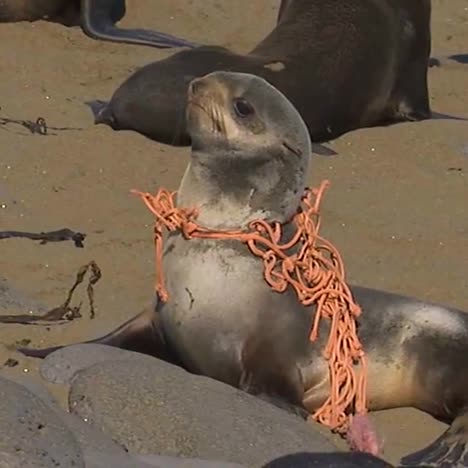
(396, 208)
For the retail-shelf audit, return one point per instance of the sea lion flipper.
(101, 112)
(142, 334)
(454, 61)
(460, 58)
(98, 18)
(450, 449)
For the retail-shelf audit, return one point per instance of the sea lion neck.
(230, 192)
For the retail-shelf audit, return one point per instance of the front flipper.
(142, 334)
(101, 114)
(98, 18)
(449, 450)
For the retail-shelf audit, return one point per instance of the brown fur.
(344, 64)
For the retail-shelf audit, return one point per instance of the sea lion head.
(250, 147)
(245, 116)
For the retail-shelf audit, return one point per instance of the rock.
(161, 461)
(61, 366)
(105, 460)
(32, 436)
(155, 407)
(89, 438)
(99, 450)
(328, 460)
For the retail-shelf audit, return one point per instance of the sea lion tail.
(101, 112)
(450, 449)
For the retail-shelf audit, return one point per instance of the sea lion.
(97, 19)
(250, 155)
(344, 64)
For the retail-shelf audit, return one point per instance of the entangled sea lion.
(250, 153)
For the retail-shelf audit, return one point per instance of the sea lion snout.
(206, 87)
(198, 85)
(206, 110)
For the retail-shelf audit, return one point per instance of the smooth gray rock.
(90, 439)
(31, 435)
(61, 366)
(328, 460)
(99, 450)
(106, 460)
(151, 406)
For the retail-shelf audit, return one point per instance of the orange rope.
(315, 271)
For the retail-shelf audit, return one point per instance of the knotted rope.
(315, 271)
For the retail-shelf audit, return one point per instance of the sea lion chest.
(218, 302)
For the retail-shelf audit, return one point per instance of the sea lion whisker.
(214, 116)
(220, 121)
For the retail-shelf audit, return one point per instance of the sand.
(396, 207)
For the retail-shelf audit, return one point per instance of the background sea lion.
(97, 18)
(250, 153)
(344, 64)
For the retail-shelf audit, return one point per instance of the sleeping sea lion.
(344, 64)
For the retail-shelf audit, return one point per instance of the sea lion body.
(344, 64)
(97, 19)
(250, 155)
(225, 322)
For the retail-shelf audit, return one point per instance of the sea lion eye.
(243, 108)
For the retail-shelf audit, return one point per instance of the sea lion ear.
(293, 149)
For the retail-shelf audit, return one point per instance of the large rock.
(61, 366)
(98, 449)
(161, 461)
(96, 446)
(32, 436)
(150, 406)
(328, 460)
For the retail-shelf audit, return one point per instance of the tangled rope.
(315, 271)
